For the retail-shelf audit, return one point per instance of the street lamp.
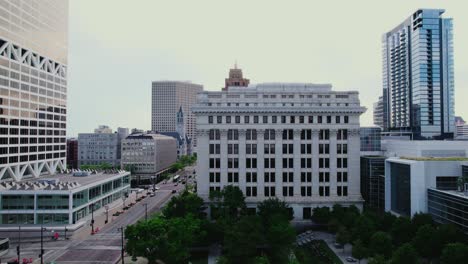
(42, 244)
(92, 219)
(152, 181)
(121, 229)
(107, 214)
(146, 211)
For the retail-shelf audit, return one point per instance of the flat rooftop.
(435, 158)
(462, 195)
(61, 181)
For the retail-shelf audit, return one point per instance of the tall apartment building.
(33, 87)
(167, 98)
(102, 146)
(297, 142)
(418, 76)
(148, 154)
(236, 79)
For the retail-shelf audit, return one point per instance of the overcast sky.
(117, 47)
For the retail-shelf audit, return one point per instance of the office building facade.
(370, 139)
(373, 181)
(297, 142)
(33, 87)
(167, 98)
(72, 153)
(101, 147)
(418, 76)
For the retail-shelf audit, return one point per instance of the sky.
(118, 47)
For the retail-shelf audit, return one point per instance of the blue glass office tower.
(418, 78)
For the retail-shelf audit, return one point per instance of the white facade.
(102, 146)
(33, 87)
(298, 142)
(167, 98)
(148, 153)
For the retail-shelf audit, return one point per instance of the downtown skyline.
(302, 47)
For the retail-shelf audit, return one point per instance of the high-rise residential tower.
(167, 98)
(33, 87)
(418, 77)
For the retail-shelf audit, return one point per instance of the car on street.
(174, 191)
(351, 259)
(152, 195)
(338, 245)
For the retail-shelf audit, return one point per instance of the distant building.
(379, 113)
(184, 143)
(102, 146)
(236, 79)
(61, 199)
(370, 139)
(418, 76)
(167, 98)
(373, 181)
(148, 154)
(295, 141)
(459, 121)
(72, 153)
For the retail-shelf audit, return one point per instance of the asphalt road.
(105, 246)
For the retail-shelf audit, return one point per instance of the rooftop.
(463, 195)
(435, 158)
(62, 181)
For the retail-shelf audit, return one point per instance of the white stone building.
(298, 142)
(148, 154)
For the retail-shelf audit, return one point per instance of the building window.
(215, 149)
(269, 149)
(324, 190)
(306, 134)
(269, 191)
(346, 119)
(251, 176)
(319, 119)
(251, 148)
(324, 176)
(341, 162)
(214, 189)
(342, 176)
(233, 148)
(306, 191)
(329, 118)
(255, 118)
(210, 119)
(214, 134)
(288, 191)
(219, 119)
(324, 148)
(269, 163)
(228, 119)
(288, 176)
(269, 177)
(215, 163)
(324, 163)
(342, 134)
(269, 134)
(233, 177)
(292, 119)
(265, 119)
(311, 119)
(306, 213)
(337, 119)
(288, 134)
(306, 148)
(301, 119)
(237, 119)
(215, 177)
(251, 134)
(274, 119)
(246, 119)
(233, 163)
(324, 134)
(306, 163)
(283, 119)
(251, 163)
(288, 148)
(306, 176)
(233, 134)
(288, 163)
(342, 190)
(251, 191)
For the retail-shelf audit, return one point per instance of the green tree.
(381, 244)
(363, 229)
(229, 203)
(261, 260)
(421, 219)
(164, 239)
(274, 207)
(377, 259)
(279, 238)
(402, 231)
(333, 225)
(386, 221)
(183, 204)
(242, 239)
(405, 254)
(343, 236)
(454, 253)
(425, 242)
(359, 251)
(321, 215)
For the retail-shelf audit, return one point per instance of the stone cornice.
(278, 110)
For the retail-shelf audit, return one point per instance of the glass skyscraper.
(418, 77)
(33, 87)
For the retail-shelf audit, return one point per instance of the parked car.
(338, 245)
(152, 194)
(351, 259)
(174, 191)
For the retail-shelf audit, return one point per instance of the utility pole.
(19, 244)
(146, 211)
(122, 244)
(42, 245)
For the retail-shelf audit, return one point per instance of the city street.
(105, 245)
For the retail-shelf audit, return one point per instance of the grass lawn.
(199, 258)
(316, 252)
